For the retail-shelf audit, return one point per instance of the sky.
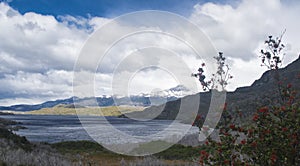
(41, 41)
(104, 8)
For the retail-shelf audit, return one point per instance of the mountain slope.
(246, 99)
(27, 107)
(143, 100)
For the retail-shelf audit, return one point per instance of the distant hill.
(143, 100)
(245, 99)
(48, 104)
(91, 111)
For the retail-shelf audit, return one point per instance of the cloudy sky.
(41, 41)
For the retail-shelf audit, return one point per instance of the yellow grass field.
(91, 111)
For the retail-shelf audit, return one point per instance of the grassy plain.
(91, 111)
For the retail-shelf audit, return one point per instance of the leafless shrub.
(39, 155)
(153, 161)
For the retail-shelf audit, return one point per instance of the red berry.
(273, 158)
(254, 144)
(284, 129)
(226, 161)
(267, 131)
(255, 117)
(263, 110)
(243, 142)
(232, 126)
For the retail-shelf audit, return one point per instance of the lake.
(56, 128)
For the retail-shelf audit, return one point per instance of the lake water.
(55, 128)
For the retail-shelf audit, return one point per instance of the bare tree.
(219, 79)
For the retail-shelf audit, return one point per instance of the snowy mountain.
(143, 99)
(154, 98)
(245, 99)
(178, 92)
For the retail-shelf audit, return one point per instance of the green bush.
(75, 147)
(179, 152)
(18, 141)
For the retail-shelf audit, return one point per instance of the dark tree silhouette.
(219, 79)
(272, 55)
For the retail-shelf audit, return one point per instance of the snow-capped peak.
(177, 92)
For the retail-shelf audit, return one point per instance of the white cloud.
(240, 31)
(38, 52)
(151, 80)
(39, 41)
(37, 56)
(52, 84)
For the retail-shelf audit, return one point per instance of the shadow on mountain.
(245, 99)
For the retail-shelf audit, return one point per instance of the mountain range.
(262, 92)
(143, 99)
(166, 103)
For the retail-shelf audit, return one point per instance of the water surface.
(57, 128)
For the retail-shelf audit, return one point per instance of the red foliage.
(273, 158)
(232, 126)
(253, 144)
(225, 107)
(284, 129)
(226, 162)
(243, 142)
(263, 110)
(226, 134)
(241, 129)
(255, 117)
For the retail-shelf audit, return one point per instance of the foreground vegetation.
(17, 150)
(92, 153)
(272, 135)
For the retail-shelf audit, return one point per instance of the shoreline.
(83, 151)
(84, 111)
(189, 139)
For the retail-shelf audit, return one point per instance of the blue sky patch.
(104, 8)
